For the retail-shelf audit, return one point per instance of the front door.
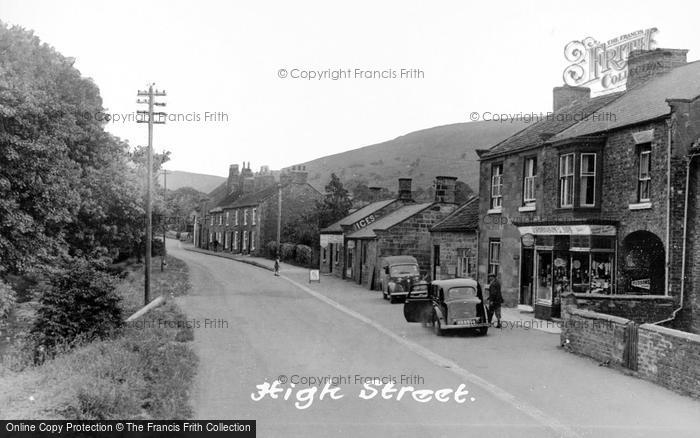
(330, 257)
(436, 261)
(527, 270)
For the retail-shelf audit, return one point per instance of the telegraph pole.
(149, 100)
(163, 263)
(279, 219)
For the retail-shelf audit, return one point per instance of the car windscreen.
(403, 270)
(461, 293)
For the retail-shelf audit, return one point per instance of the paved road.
(520, 382)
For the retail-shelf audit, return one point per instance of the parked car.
(449, 305)
(397, 276)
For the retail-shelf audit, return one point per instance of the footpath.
(512, 318)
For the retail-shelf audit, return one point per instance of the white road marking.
(560, 429)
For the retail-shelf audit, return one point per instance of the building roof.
(254, 198)
(465, 218)
(355, 216)
(389, 220)
(646, 102)
(551, 124)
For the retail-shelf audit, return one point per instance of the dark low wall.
(665, 356)
(638, 308)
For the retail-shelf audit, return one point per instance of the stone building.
(404, 231)
(246, 219)
(592, 200)
(454, 243)
(337, 257)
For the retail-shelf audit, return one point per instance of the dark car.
(456, 304)
(397, 276)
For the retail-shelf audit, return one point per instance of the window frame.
(529, 201)
(568, 178)
(644, 150)
(245, 216)
(496, 200)
(593, 175)
(494, 264)
(254, 214)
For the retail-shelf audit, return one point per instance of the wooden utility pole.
(163, 263)
(150, 95)
(279, 220)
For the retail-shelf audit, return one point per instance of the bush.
(7, 299)
(304, 255)
(80, 303)
(287, 252)
(271, 248)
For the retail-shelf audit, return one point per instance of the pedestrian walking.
(277, 266)
(495, 299)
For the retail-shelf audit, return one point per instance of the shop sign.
(527, 240)
(351, 244)
(362, 223)
(642, 284)
(314, 275)
(336, 239)
(569, 230)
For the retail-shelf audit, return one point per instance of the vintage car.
(449, 305)
(397, 276)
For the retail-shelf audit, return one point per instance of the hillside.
(198, 181)
(421, 155)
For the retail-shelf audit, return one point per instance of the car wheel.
(392, 299)
(437, 326)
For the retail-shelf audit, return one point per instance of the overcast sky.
(226, 56)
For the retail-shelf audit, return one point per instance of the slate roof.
(549, 125)
(388, 221)
(253, 199)
(643, 103)
(356, 216)
(465, 218)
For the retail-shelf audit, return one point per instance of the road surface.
(255, 329)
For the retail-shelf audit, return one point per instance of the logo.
(602, 66)
(364, 222)
(642, 284)
(528, 240)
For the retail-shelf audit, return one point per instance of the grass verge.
(145, 372)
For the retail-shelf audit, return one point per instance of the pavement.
(520, 382)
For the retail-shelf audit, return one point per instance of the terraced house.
(245, 221)
(600, 199)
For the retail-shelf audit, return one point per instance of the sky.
(237, 73)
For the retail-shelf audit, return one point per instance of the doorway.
(527, 272)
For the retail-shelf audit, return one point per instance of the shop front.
(556, 259)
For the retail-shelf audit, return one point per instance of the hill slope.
(198, 181)
(443, 150)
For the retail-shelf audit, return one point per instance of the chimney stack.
(445, 189)
(375, 193)
(644, 65)
(405, 193)
(232, 181)
(566, 95)
(299, 174)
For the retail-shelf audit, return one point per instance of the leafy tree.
(335, 205)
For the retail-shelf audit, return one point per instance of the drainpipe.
(478, 260)
(669, 124)
(689, 162)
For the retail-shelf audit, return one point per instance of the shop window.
(529, 174)
(588, 180)
(496, 186)
(601, 273)
(544, 276)
(494, 256)
(566, 180)
(644, 175)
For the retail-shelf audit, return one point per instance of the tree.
(335, 205)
